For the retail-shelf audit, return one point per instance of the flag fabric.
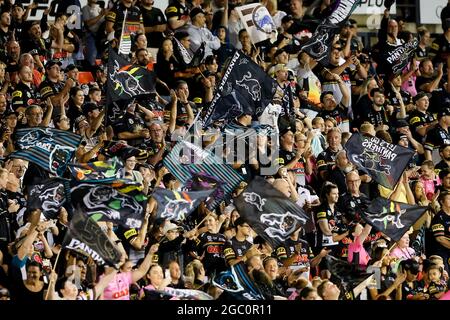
(125, 80)
(245, 87)
(396, 58)
(174, 205)
(269, 212)
(320, 45)
(51, 149)
(199, 169)
(392, 218)
(385, 162)
(237, 283)
(104, 203)
(176, 294)
(185, 57)
(48, 196)
(97, 171)
(125, 37)
(121, 149)
(84, 235)
(258, 22)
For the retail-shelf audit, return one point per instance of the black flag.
(85, 235)
(244, 85)
(320, 45)
(49, 197)
(392, 218)
(125, 82)
(104, 203)
(385, 162)
(174, 205)
(396, 58)
(273, 216)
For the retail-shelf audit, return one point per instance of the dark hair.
(375, 90)
(241, 32)
(61, 283)
(411, 265)
(73, 91)
(305, 292)
(139, 50)
(326, 189)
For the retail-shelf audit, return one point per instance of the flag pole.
(53, 270)
(123, 29)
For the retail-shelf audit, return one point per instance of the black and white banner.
(385, 162)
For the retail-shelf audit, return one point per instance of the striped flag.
(125, 37)
(51, 149)
(258, 22)
(187, 162)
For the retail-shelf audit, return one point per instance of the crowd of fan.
(41, 86)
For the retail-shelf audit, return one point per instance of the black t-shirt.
(408, 292)
(49, 88)
(440, 49)
(417, 120)
(440, 227)
(212, 245)
(286, 251)
(436, 138)
(377, 118)
(24, 96)
(117, 16)
(339, 114)
(326, 160)
(235, 249)
(176, 9)
(130, 123)
(151, 18)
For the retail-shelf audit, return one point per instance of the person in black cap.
(439, 135)
(420, 120)
(177, 14)
(34, 44)
(131, 126)
(18, 23)
(52, 87)
(72, 72)
(403, 133)
(236, 247)
(200, 34)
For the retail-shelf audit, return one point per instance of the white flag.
(258, 22)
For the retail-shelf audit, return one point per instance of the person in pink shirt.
(403, 251)
(119, 287)
(429, 179)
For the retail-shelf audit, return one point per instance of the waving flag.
(85, 236)
(199, 169)
(50, 149)
(104, 203)
(125, 80)
(237, 283)
(392, 218)
(320, 45)
(269, 212)
(174, 205)
(385, 162)
(49, 197)
(396, 58)
(245, 87)
(258, 22)
(175, 294)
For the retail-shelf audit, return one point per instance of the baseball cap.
(443, 112)
(284, 130)
(51, 63)
(401, 123)
(70, 67)
(90, 106)
(323, 94)
(420, 95)
(168, 226)
(195, 12)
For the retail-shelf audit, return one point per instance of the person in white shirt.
(199, 33)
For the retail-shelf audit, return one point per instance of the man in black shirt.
(377, 114)
(439, 135)
(131, 127)
(154, 23)
(25, 93)
(440, 227)
(236, 248)
(115, 18)
(52, 87)
(327, 159)
(177, 14)
(420, 120)
(444, 152)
